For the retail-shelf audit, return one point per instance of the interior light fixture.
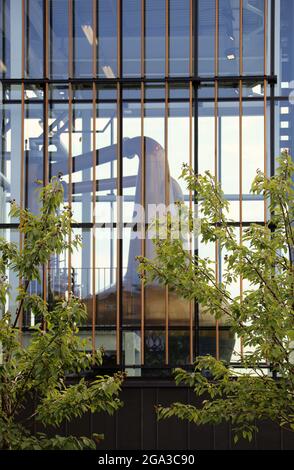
(108, 72)
(88, 32)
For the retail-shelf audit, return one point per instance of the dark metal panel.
(148, 418)
(172, 433)
(269, 436)
(129, 420)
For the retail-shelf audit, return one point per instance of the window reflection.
(107, 42)
(10, 151)
(58, 44)
(206, 37)
(229, 37)
(83, 38)
(34, 38)
(131, 38)
(253, 37)
(33, 153)
(155, 38)
(10, 40)
(179, 42)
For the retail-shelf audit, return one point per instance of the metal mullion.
(216, 152)
(119, 303)
(143, 228)
(45, 127)
(22, 188)
(46, 39)
(265, 99)
(94, 93)
(119, 228)
(166, 165)
(191, 309)
(69, 192)
(70, 122)
(241, 154)
(70, 38)
(166, 38)
(191, 40)
(143, 167)
(46, 267)
(142, 39)
(191, 303)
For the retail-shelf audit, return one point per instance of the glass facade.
(115, 95)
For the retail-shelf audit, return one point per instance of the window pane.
(206, 37)
(229, 34)
(58, 44)
(33, 146)
(284, 46)
(179, 37)
(82, 153)
(107, 39)
(10, 41)
(10, 157)
(131, 39)
(155, 38)
(253, 37)
(83, 38)
(34, 39)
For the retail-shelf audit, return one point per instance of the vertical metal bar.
(94, 16)
(119, 194)
(143, 231)
(142, 38)
(272, 92)
(191, 309)
(143, 178)
(46, 267)
(216, 151)
(265, 98)
(70, 122)
(70, 38)
(69, 192)
(191, 39)
(166, 165)
(241, 152)
(22, 168)
(195, 88)
(46, 39)
(166, 38)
